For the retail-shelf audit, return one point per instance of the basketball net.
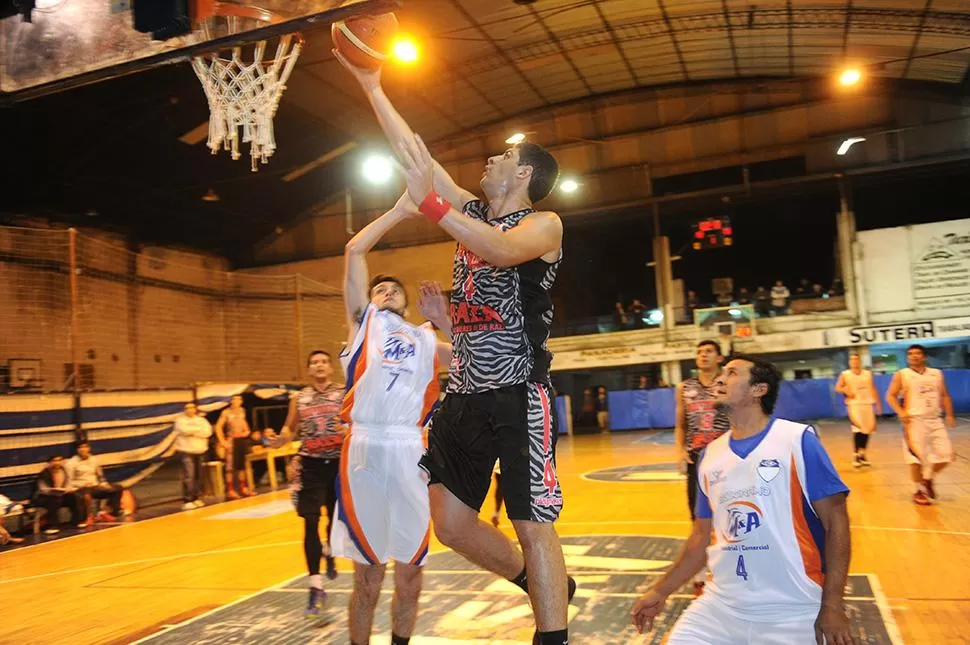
(243, 91)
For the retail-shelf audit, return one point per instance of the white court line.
(518, 593)
(160, 558)
(885, 611)
(121, 525)
(162, 632)
(860, 527)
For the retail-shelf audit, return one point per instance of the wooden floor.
(117, 585)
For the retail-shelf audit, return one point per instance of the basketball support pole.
(75, 368)
(298, 311)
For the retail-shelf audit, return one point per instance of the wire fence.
(81, 313)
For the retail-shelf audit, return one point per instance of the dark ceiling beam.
(562, 50)
(501, 51)
(730, 35)
(846, 27)
(791, 39)
(673, 39)
(616, 43)
(916, 38)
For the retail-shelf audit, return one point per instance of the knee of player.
(408, 582)
(447, 530)
(533, 534)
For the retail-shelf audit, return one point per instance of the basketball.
(365, 41)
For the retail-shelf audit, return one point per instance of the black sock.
(864, 442)
(560, 637)
(399, 640)
(521, 581)
(858, 438)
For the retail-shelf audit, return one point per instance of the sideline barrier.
(800, 400)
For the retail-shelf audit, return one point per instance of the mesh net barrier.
(157, 318)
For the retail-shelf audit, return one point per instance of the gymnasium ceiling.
(129, 154)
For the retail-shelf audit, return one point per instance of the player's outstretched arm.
(832, 625)
(539, 234)
(433, 306)
(692, 559)
(356, 275)
(396, 128)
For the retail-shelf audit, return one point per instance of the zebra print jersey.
(499, 317)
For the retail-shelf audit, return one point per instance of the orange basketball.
(365, 40)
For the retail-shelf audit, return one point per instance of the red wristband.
(434, 207)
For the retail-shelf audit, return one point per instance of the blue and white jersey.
(767, 552)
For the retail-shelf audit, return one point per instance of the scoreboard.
(713, 233)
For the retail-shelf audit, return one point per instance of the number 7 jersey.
(392, 373)
(767, 552)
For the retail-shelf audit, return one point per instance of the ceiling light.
(568, 185)
(850, 76)
(210, 196)
(848, 143)
(515, 139)
(377, 169)
(405, 50)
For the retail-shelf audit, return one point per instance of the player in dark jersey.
(698, 421)
(314, 414)
(499, 402)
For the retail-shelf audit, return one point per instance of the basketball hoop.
(243, 87)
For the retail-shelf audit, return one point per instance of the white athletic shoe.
(198, 503)
(188, 506)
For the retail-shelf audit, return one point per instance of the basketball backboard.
(74, 42)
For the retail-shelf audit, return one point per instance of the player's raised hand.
(432, 303)
(369, 79)
(418, 167)
(405, 207)
(648, 607)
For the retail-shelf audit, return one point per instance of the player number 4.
(741, 571)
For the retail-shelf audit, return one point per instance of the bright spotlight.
(735, 312)
(515, 139)
(850, 76)
(568, 186)
(405, 50)
(655, 317)
(377, 169)
(848, 143)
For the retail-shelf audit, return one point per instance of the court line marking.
(861, 527)
(518, 593)
(121, 525)
(164, 631)
(885, 611)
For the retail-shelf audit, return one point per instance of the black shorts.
(515, 425)
(315, 485)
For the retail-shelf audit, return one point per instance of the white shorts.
(863, 417)
(704, 622)
(382, 498)
(927, 440)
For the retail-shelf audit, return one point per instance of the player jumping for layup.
(499, 403)
(392, 386)
(771, 524)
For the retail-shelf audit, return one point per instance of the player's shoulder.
(791, 429)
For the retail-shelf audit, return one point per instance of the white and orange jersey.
(392, 373)
(766, 554)
(922, 393)
(860, 385)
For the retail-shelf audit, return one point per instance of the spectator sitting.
(837, 288)
(636, 311)
(620, 320)
(85, 474)
(803, 290)
(192, 432)
(644, 383)
(744, 297)
(779, 298)
(818, 291)
(762, 302)
(54, 491)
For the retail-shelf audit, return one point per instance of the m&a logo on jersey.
(768, 469)
(398, 347)
(742, 518)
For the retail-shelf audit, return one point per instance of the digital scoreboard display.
(713, 233)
